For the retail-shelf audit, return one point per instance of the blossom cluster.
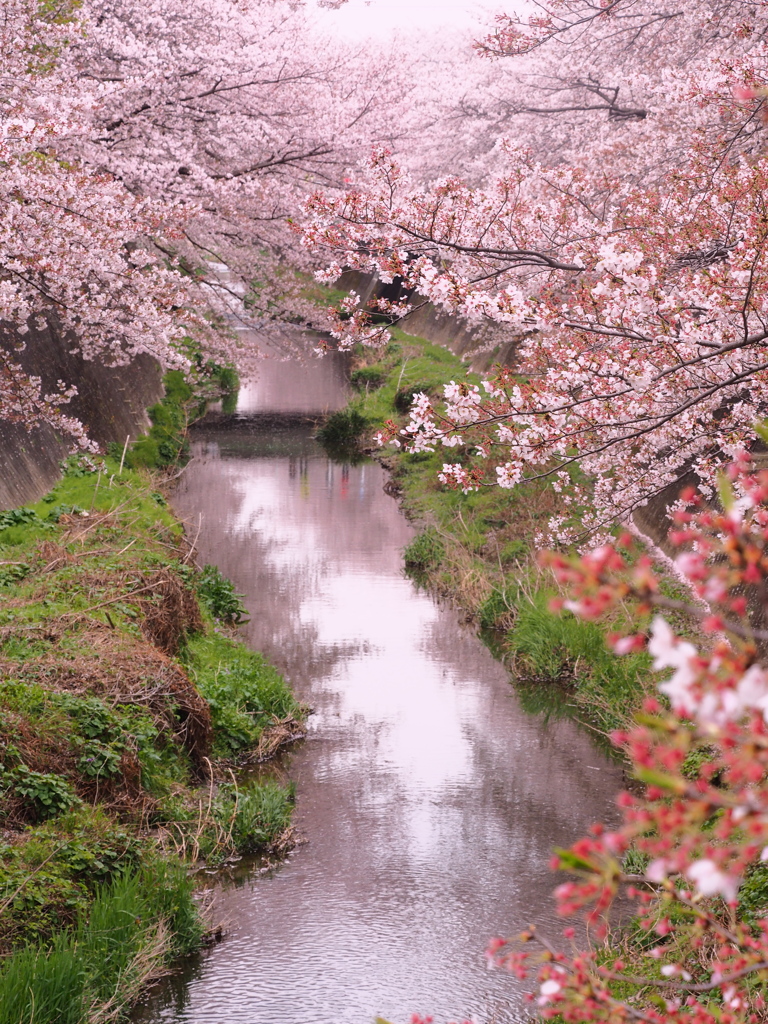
(625, 255)
(689, 844)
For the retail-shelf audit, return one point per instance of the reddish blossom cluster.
(700, 828)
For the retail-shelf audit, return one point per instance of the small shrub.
(226, 377)
(219, 596)
(367, 377)
(342, 428)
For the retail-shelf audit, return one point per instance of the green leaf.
(725, 491)
(570, 861)
(653, 778)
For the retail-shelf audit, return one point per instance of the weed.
(14, 573)
(219, 596)
(257, 816)
(44, 794)
(425, 551)
(19, 517)
(497, 610)
(563, 649)
(753, 895)
(635, 861)
(513, 551)
(96, 970)
(244, 692)
(100, 761)
(366, 377)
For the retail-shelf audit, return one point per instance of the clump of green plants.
(366, 377)
(14, 573)
(245, 693)
(425, 551)
(563, 649)
(95, 970)
(50, 878)
(258, 817)
(219, 596)
(343, 428)
(44, 794)
(498, 608)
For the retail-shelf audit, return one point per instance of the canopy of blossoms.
(622, 244)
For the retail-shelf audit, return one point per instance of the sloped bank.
(125, 703)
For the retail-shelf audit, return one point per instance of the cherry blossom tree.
(631, 274)
(232, 111)
(141, 144)
(71, 239)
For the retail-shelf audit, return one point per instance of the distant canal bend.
(430, 800)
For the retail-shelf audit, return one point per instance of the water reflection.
(429, 799)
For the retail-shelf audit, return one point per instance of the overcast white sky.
(358, 19)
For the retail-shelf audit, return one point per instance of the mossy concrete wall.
(479, 346)
(111, 402)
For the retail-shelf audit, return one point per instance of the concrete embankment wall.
(111, 402)
(479, 346)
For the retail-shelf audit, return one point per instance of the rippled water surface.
(430, 801)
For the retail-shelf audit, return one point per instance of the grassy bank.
(480, 549)
(125, 703)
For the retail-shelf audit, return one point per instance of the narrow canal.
(430, 801)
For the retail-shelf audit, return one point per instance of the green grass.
(560, 648)
(96, 742)
(424, 552)
(244, 692)
(135, 923)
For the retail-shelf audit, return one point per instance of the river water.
(429, 800)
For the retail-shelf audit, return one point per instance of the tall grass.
(95, 972)
(244, 692)
(561, 648)
(259, 815)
